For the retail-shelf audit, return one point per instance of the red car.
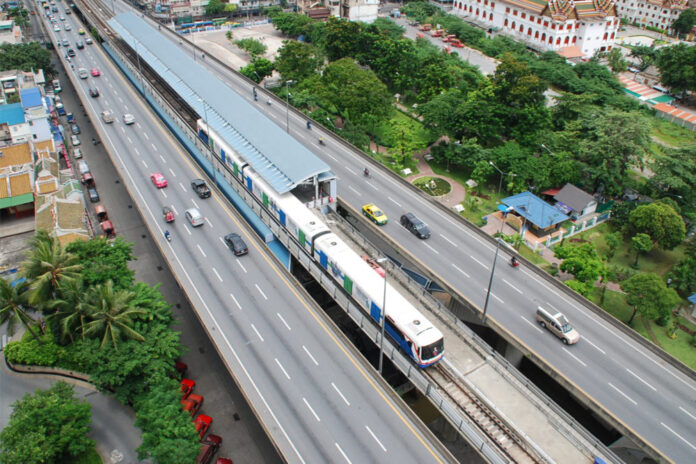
(95, 72)
(158, 179)
(192, 403)
(202, 423)
(187, 386)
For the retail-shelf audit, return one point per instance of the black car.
(71, 52)
(93, 92)
(201, 189)
(75, 129)
(236, 244)
(80, 44)
(415, 225)
(93, 195)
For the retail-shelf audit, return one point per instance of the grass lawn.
(672, 134)
(422, 137)
(441, 186)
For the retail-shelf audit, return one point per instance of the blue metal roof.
(12, 114)
(280, 159)
(30, 97)
(692, 298)
(535, 210)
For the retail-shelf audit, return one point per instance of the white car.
(194, 217)
(75, 140)
(83, 167)
(77, 153)
(107, 116)
(68, 27)
(82, 72)
(128, 119)
(56, 28)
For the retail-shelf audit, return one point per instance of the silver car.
(128, 118)
(75, 140)
(82, 72)
(194, 217)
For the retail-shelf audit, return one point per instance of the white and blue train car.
(416, 335)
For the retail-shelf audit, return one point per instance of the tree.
(297, 60)
(47, 426)
(104, 260)
(214, 7)
(659, 221)
(645, 55)
(401, 139)
(342, 39)
(258, 69)
(294, 25)
(442, 113)
(47, 265)
(111, 314)
(675, 175)
(20, 16)
(13, 307)
(676, 65)
(583, 262)
(71, 314)
(617, 62)
(642, 243)
(25, 56)
(686, 20)
(252, 46)
(649, 296)
(613, 240)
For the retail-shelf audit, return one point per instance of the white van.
(557, 325)
(56, 86)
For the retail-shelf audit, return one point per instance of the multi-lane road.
(311, 390)
(630, 383)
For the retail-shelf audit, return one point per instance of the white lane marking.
(282, 368)
(376, 439)
(283, 321)
(331, 156)
(187, 229)
(585, 339)
(350, 187)
(343, 454)
(172, 172)
(144, 163)
(195, 204)
(485, 289)
(235, 301)
(678, 436)
(241, 265)
(373, 186)
(310, 408)
(218, 275)
(153, 146)
(486, 267)
(129, 140)
(261, 292)
(310, 356)
(457, 268)
(123, 130)
(257, 332)
(513, 287)
(687, 413)
(637, 377)
(163, 193)
(623, 394)
(531, 323)
(431, 248)
(574, 357)
(174, 209)
(340, 394)
(201, 250)
(163, 160)
(223, 241)
(144, 133)
(120, 99)
(182, 186)
(136, 151)
(395, 202)
(209, 223)
(450, 241)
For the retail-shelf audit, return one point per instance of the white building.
(655, 13)
(10, 32)
(572, 28)
(352, 10)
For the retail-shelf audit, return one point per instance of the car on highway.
(128, 119)
(80, 44)
(82, 72)
(375, 214)
(158, 179)
(56, 28)
(199, 186)
(236, 244)
(75, 140)
(96, 72)
(66, 43)
(62, 18)
(107, 116)
(194, 217)
(93, 92)
(75, 129)
(81, 31)
(415, 225)
(209, 446)
(77, 153)
(89, 41)
(202, 424)
(67, 11)
(68, 27)
(71, 52)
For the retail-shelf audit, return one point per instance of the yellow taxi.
(81, 31)
(375, 214)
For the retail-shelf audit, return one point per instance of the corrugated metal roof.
(535, 210)
(280, 159)
(30, 97)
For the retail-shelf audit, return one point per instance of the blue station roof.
(535, 210)
(30, 97)
(12, 114)
(280, 159)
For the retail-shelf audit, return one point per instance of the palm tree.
(111, 314)
(47, 265)
(13, 307)
(71, 313)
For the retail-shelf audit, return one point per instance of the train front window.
(433, 350)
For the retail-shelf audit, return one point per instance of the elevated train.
(414, 334)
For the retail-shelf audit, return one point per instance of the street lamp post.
(287, 105)
(495, 260)
(500, 184)
(383, 316)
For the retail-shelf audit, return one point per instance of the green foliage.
(168, 435)
(293, 25)
(649, 296)
(613, 240)
(659, 221)
(617, 62)
(389, 28)
(14, 306)
(25, 56)
(642, 243)
(584, 263)
(19, 15)
(297, 60)
(252, 46)
(30, 352)
(104, 260)
(214, 7)
(419, 10)
(646, 55)
(686, 20)
(675, 175)
(258, 69)
(48, 426)
(676, 65)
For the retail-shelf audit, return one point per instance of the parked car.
(236, 244)
(93, 92)
(158, 179)
(209, 446)
(83, 167)
(82, 72)
(77, 153)
(187, 386)
(128, 119)
(71, 118)
(192, 403)
(75, 140)
(194, 217)
(415, 225)
(199, 186)
(202, 423)
(74, 128)
(93, 195)
(107, 116)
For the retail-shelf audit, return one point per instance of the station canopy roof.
(281, 160)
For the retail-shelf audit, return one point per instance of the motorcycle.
(167, 235)
(514, 262)
(321, 141)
